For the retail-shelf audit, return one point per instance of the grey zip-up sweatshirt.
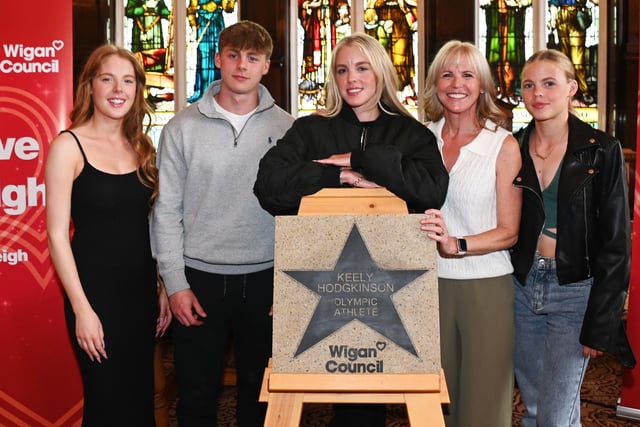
(206, 215)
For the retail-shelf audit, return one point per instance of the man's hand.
(186, 308)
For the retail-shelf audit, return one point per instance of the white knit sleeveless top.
(470, 205)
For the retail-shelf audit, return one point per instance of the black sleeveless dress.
(113, 256)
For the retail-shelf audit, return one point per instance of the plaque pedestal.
(349, 201)
(285, 393)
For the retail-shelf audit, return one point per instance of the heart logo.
(381, 345)
(57, 44)
(26, 114)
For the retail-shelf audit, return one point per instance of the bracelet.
(356, 182)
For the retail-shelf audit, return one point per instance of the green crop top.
(550, 201)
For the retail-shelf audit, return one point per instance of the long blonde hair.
(132, 128)
(386, 94)
(453, 52)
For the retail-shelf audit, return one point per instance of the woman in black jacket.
(572, 258)
(364, 138)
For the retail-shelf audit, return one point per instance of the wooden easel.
(285, 393)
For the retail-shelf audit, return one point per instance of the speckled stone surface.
(372, 308)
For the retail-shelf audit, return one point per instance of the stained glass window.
(321, 23)
(572, 27)
(506, 37)
(148, 31)
(148, 34)
(394, 23)
(207, 18)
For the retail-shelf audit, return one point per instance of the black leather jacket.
(593, 237)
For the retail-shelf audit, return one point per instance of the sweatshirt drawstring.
(244, 286)
(224, 290)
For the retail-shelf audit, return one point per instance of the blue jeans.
(549, 365)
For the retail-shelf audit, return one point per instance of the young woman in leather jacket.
(572, 259)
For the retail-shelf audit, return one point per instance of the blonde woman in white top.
(476, 226)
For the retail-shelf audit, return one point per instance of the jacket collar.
(349, 115)
(582, 137)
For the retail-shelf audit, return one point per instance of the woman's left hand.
(433, 223)
(164, 317)
(591, 352)
(355, 179)
(341, 160)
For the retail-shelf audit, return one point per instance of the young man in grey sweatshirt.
(212, 240)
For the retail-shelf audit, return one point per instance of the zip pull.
(236, 134)
(363, 139)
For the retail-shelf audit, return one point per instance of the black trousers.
(238, 305)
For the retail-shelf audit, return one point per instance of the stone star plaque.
(355, 294)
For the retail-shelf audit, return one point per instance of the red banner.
(39, 381)
(630, 397)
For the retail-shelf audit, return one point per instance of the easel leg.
(284, 410)
(424, 409)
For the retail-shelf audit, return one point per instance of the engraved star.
(355, 262)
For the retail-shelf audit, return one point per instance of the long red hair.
(132, 125)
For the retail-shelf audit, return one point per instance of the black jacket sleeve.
(411, 167)
(287, 172)
(602, 327)
(394, 151)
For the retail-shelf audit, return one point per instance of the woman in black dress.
(101, 176)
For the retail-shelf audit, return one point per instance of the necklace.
(535, 142)
(540, 156)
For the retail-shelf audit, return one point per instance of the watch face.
(462, 246)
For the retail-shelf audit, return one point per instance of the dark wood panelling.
(90, 20)
(623, 110)
(451, 20)
(273, 16)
